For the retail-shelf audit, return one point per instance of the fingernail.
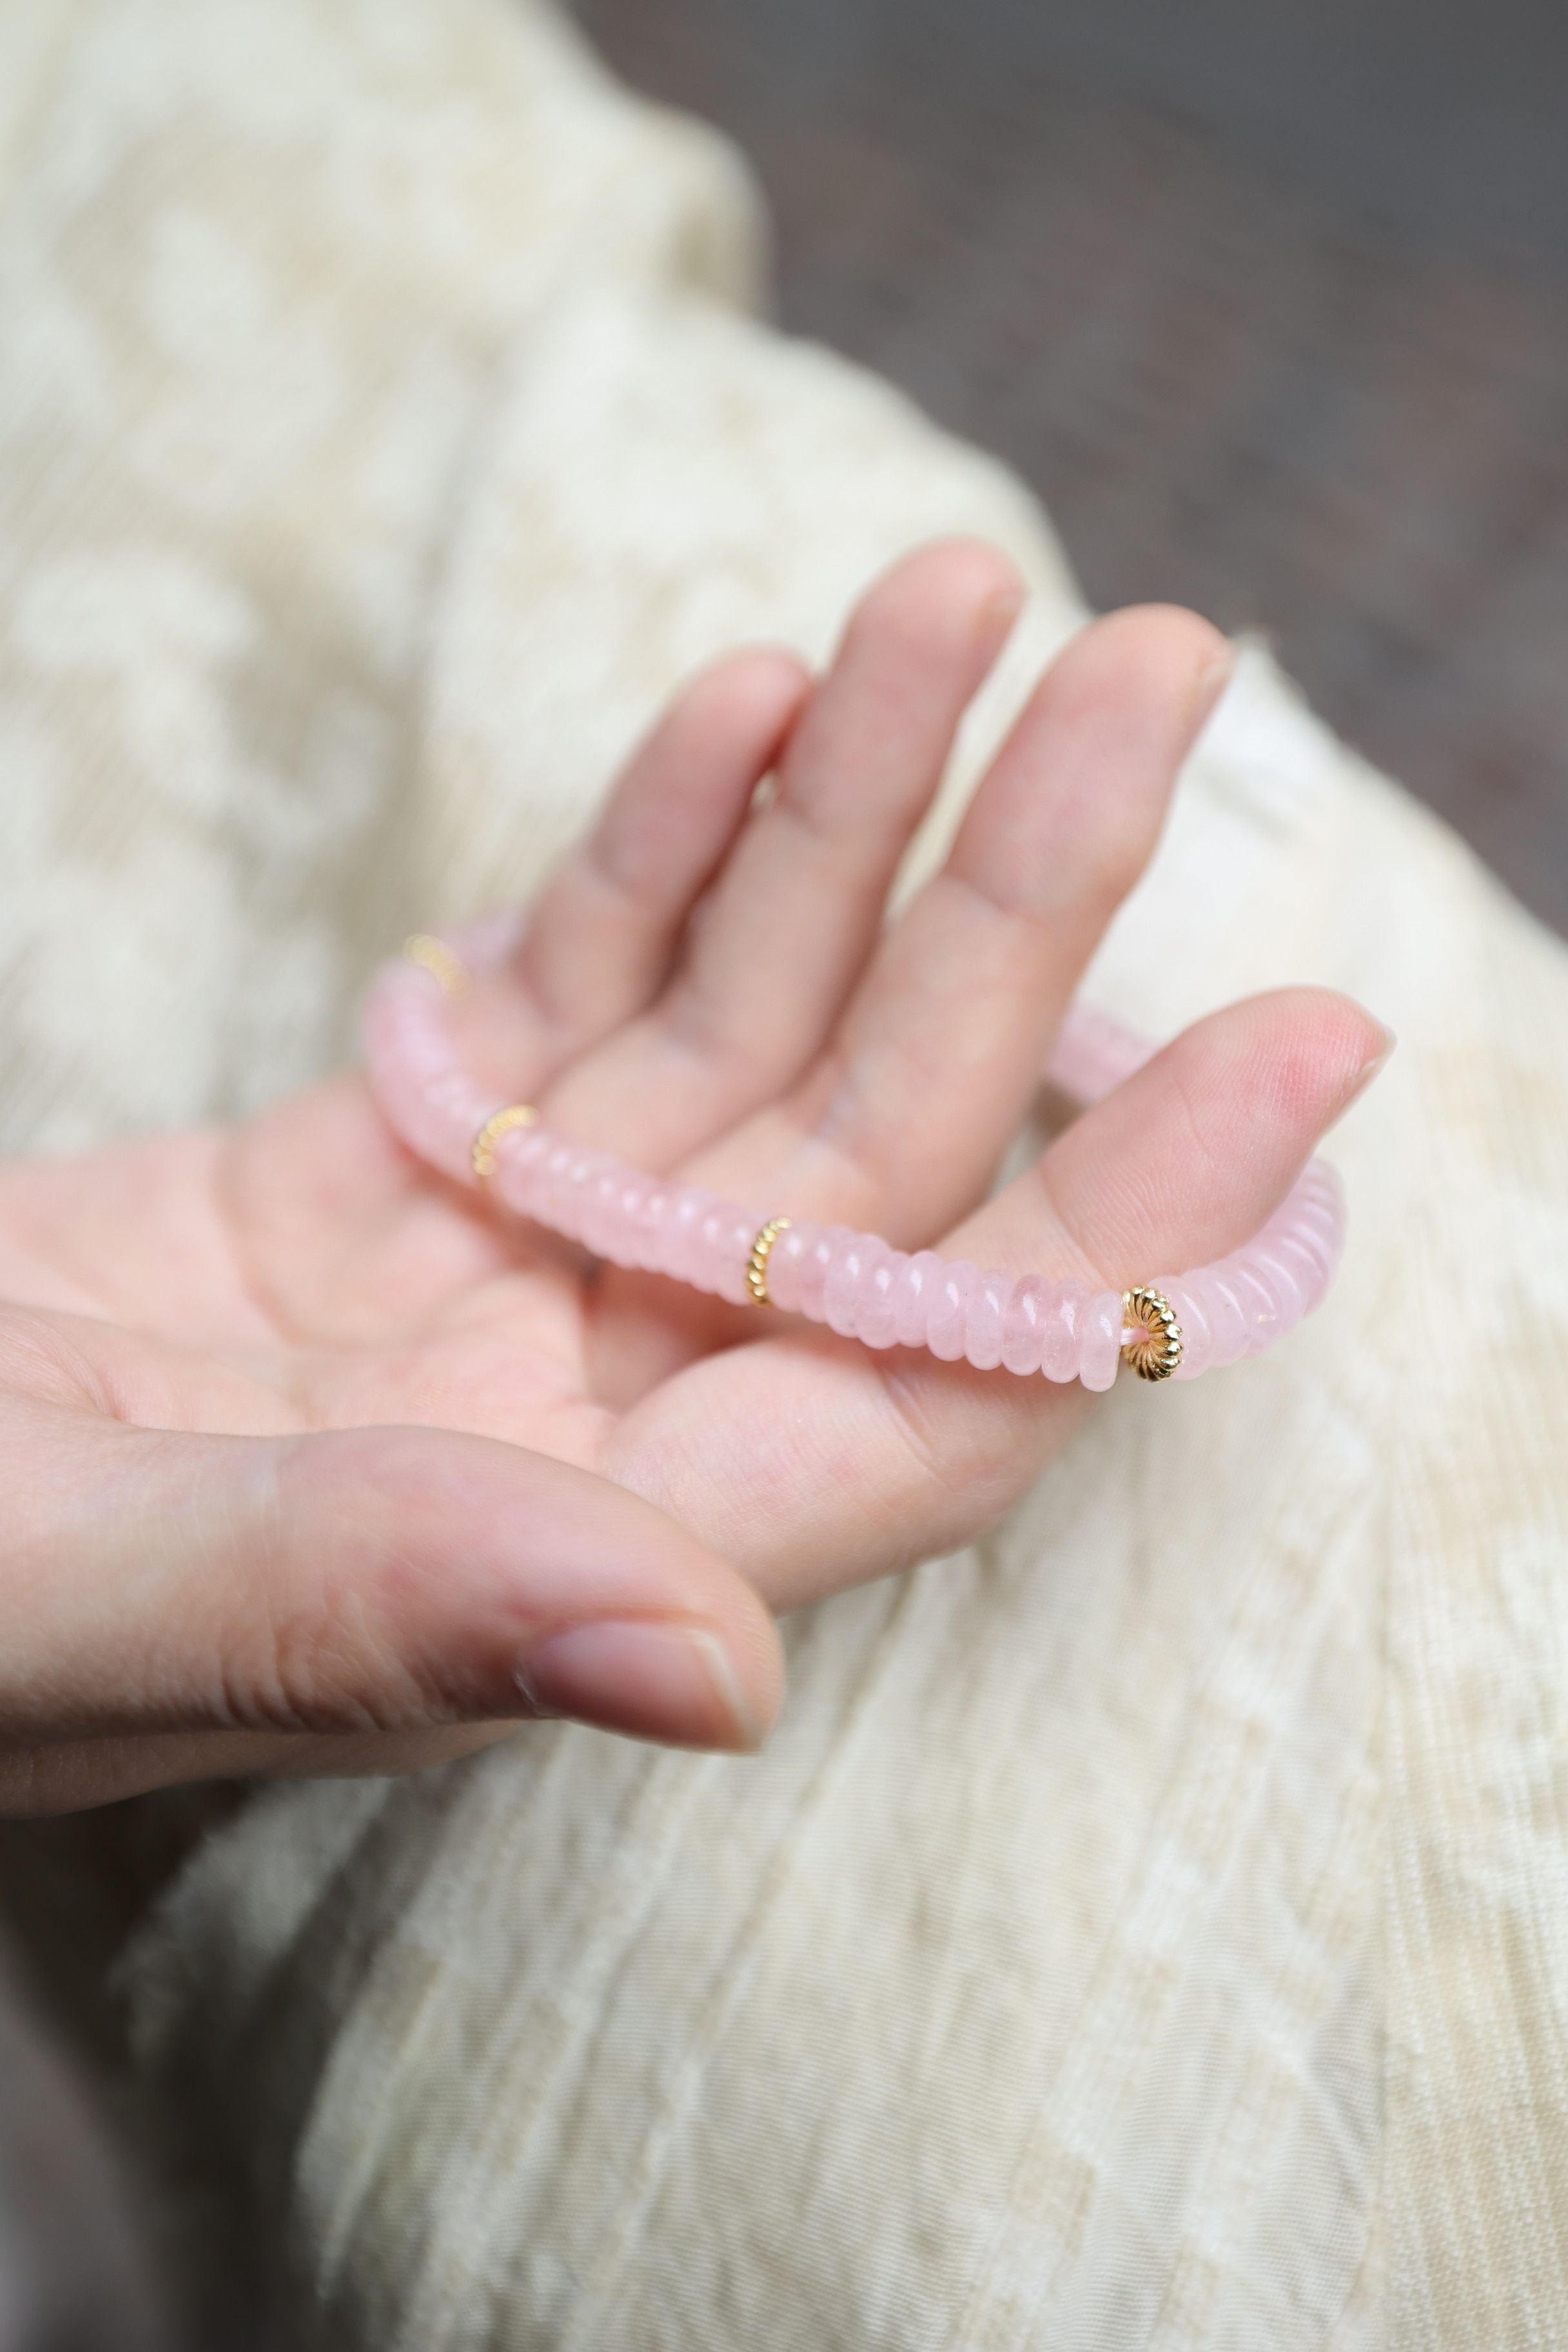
(1002, 608)
(1371, 1066)
(649, 1679)
(1209, 683)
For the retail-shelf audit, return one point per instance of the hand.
(311, 1461)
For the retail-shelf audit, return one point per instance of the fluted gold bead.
(499, 1123)
(757, 1263)
(443, 965)
(1156, 1350)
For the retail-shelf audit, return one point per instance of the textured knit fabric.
(1146, 1927)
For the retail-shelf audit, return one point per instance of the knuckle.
(315, 1642)
(1118, 852)
(1115, 839)
(319, 1664)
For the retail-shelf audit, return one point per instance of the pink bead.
(1289, 1233)
(1101, 1350)
(784, 1263)
(1312, 1239)
(707, 1248)
(983, 1318)
(1257, 1301)
(1227, 1317)
(599, 1209)
(682, 1252)
(1024, 1324)
(840, 1291)
(582, 1180)
(541, 1182)
(552, 1185)
(1197, 1339)
(840, 1285)
(642, 1205)
(727, 1234)
(1319, 1181)
(945, 1331)
(644, 1211)
(705, 1251)
(1315, 1231)
(425, 1095)
(913, 1294)
(1309, 1268)
(814, 1269)
(1279, 1278)
(603, 1230)
(518, 1157)
(854, 1281)
(1318, 1206)
(874, 1309)
(1062, 1341)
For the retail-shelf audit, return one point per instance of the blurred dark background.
(1268, 299)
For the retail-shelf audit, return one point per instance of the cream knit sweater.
(1147, 1928)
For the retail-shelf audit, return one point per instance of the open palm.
(313, 1462)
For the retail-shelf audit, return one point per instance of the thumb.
(368, 1580)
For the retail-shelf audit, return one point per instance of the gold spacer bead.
(446, 968)
(499, 1123)
(757, 1263)
(1156, 1350)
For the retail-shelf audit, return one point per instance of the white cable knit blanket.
(1147, 1928)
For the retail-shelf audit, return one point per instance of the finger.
(601, 937)
(797, 909)
(1189, 1156)
(839, 1463)
(367, 1581)
(940, 1053)
(600, 940)
(900, 1124)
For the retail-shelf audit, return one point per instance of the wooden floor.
(1239, 374)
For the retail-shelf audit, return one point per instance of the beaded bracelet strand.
(1173, 1327)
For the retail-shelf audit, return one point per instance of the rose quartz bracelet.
(1178, 1325)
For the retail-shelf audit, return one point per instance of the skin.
(312, 1462)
